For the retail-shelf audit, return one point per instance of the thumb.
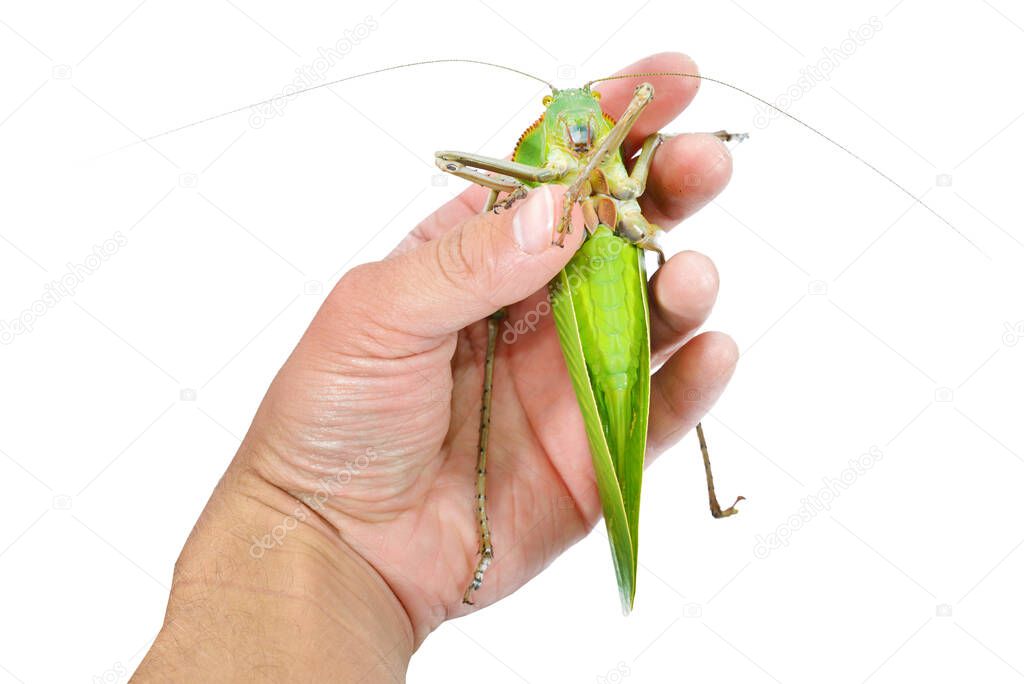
(487, 262)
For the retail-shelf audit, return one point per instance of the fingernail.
(534, 221)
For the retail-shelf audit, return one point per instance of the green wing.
(601, 312)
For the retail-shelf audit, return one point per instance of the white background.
(863, 320)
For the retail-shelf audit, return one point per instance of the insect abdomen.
(600, 305)
(610, 314)
(610, 307)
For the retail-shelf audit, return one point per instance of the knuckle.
(348, 311)
(352, 288)
(455, 259)
(464, 261)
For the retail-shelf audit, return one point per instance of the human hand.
(372, 423)
(393, 366)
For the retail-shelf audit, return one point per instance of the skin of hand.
(344, 530)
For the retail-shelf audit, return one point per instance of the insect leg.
(496, 174)
(642, 167)
(492, 199)
(496, 183)
(486, 548)
(629, 187)
(726, 136)
(634, 227)
(453, 161)
(716, 509)
(491, 181)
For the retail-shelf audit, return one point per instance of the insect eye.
(546, 100)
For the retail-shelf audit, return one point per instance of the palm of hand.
(406, 497)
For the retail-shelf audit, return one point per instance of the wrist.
(263, 584)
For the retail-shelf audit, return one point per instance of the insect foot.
(486, 556)
(726, 136)
(717, 512)
(513, 197)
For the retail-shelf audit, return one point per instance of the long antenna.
(809, 127)
(342, 80)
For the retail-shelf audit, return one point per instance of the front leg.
(633, 185)
(495, 182)
(492, 181)
(629, 186)
(452, 162)
(497, 175)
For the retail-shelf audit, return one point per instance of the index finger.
(672, 94)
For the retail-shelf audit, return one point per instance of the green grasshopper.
(599, 300)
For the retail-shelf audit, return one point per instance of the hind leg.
(716, 508)
(486, 548)
(496, 183)
(634, 227)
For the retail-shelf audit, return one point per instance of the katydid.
(599, 300)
